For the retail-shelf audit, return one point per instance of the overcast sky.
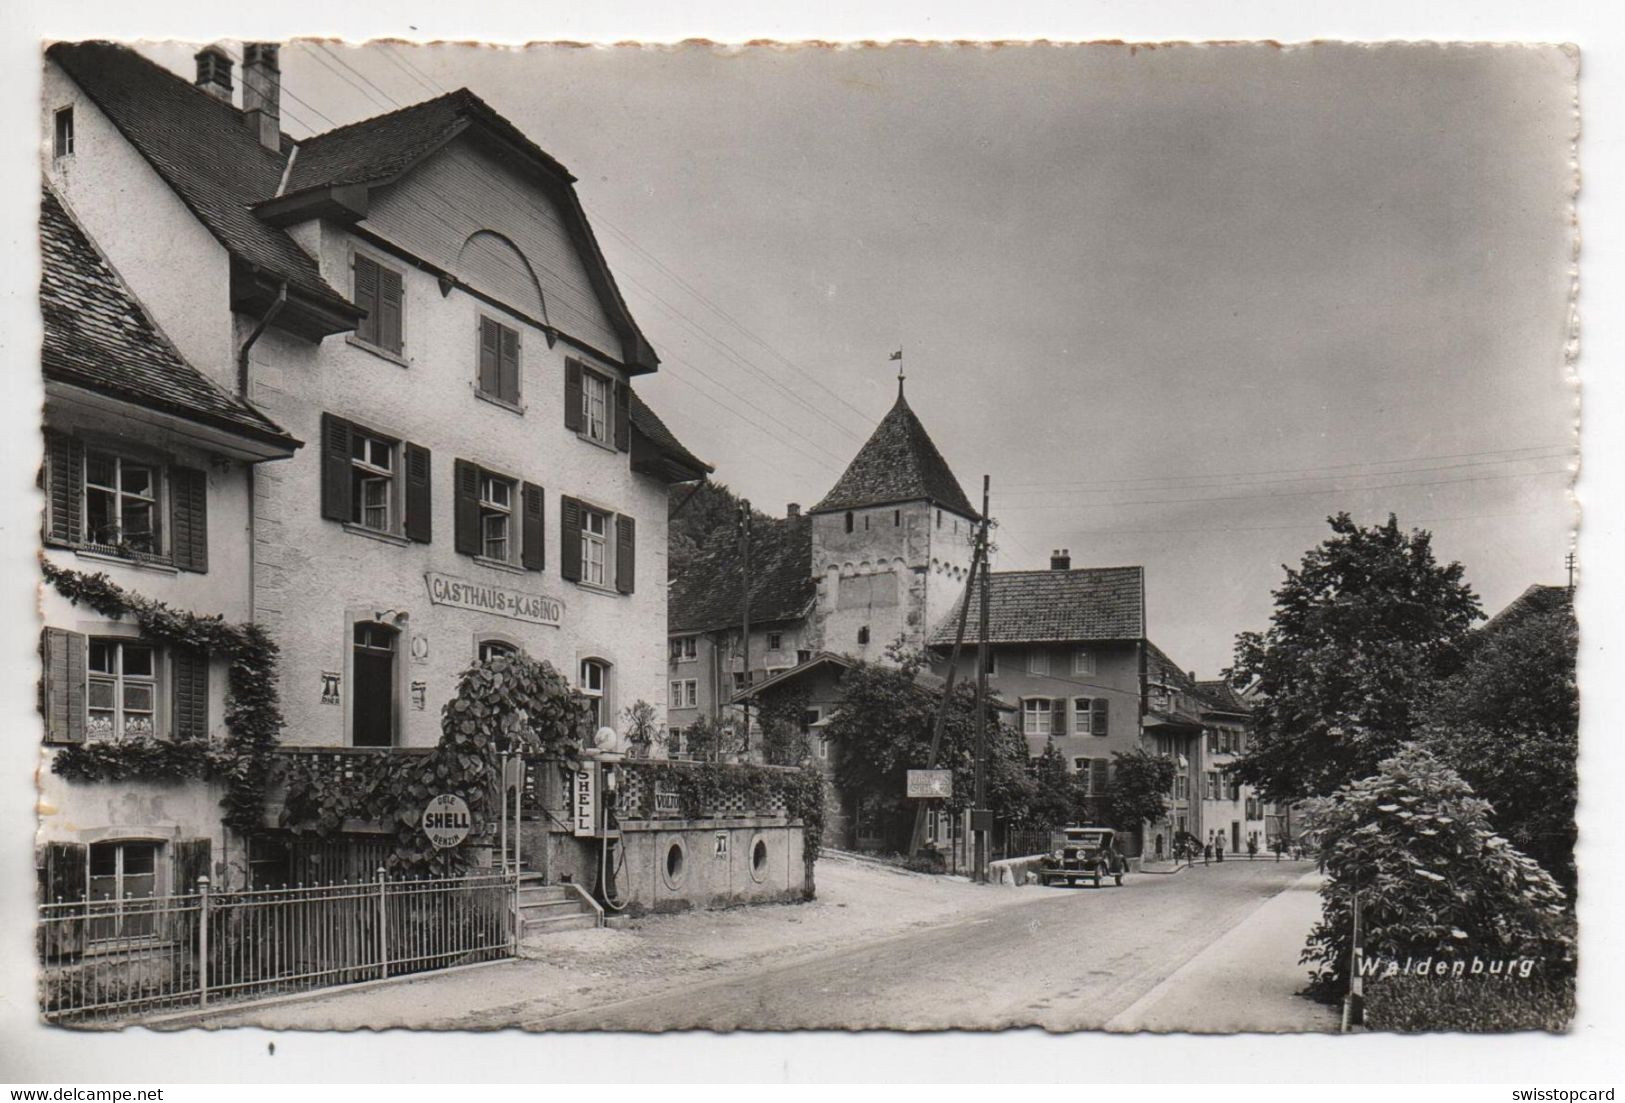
(1180, 303)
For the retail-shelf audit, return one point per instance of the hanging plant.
(243, 760)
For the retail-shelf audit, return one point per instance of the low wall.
(1014, 871)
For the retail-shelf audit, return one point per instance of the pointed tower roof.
(899, 463)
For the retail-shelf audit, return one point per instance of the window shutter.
(189, 678)
(336, 467)
(489, 355)
(366, 297)
(1057, 712)
(623, 417)
(572, 396)
(533, 551)
(189, 518)
(570, 539)
(466, 511)
(419, 519)
(508, 366)
(65, 472)
(63, 872)
(625, 553)
(193, 859)
(389, 309)
(1099, 776)
(62, 656)
(1097, 716)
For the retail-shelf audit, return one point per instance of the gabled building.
(421, 297)
(1230, 810)
(148, 475)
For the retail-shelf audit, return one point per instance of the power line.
(321, 54)
(1204, 529)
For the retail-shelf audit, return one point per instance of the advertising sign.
(584, 799)
(446, 820)
(482, 597)
(667, 803)
(931, 783)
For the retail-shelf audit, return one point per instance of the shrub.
(1412, 1004)
(1433, 878)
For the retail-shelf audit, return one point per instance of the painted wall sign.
(330, 687)
(500, 601)
(722, 844)
(420, 648)
(931, 783)
(666, 802)
(446, 820)
(420, 695)
(584, 799)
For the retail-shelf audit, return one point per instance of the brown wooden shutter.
(192, 859)
(189, 679)
(533, 551)
(625, 553)
(62, 692)
(623, 417)
(508, 366)
(490, 356)
(572, 396)
(1057, 715)
(336, 487)
(1097, 716)
(466, 508)
(366, 297)
(189, 518)
(63, 872)
(570, 539)
(65, 474)
(1099, 776)
(389, 309)
(419, 521)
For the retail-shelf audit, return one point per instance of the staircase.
(545, 908)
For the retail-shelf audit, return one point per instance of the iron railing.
(109, 960)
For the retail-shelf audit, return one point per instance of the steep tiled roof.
(98, 337)
(1538, 598)
(899, 463)
(1089, 603)
(708, 594)
(202, 149)
(1221, 696)
(648, 423)
(927, 679)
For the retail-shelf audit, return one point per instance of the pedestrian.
(1218, 849)
(1207, 853)
(1252, 847)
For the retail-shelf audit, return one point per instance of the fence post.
(203, 941)
(383, 928)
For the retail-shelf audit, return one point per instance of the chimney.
(214, 72)
(262, 93)
(793, 509)
(1060, 559)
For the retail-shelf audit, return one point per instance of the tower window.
(897, 518)
(849, 520)
(863, 635)
(64, 133)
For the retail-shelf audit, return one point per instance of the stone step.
(541, 908)
(568, 922)
(541, 893)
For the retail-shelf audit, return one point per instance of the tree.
(706, 740)
(1055, 799)
(1432, 875)
(884, 727)
(1509, 723)
(1362, 631)
(695, 519)
(1139, 790)
(784, 738)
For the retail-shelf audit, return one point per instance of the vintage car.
(1083, 854)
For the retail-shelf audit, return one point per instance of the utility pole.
(744, 628)
(1568, 561)
(983, 843)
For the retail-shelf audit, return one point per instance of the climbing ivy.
(508, 702)
(243, 760)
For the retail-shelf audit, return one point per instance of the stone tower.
(891, 543)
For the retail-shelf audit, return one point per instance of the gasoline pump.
(595, 803)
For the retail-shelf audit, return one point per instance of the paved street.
(884, 949)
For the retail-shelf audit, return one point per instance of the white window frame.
(492, 486)
(1082, 718)
(119, 682)
(1086, 773)
(599, 571)
(1038, 662)
(485, 644)
(157, 500)
(59, 147)
(601, 693)
(1036, 721)
(685, 649)
(775, 641)
(372, 473)
(597, 406)
(1083, 661)
(112, 908)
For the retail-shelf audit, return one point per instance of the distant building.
(1230, 810)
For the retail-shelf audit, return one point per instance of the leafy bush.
(1412, 1004)
(1433, 877)
(1140, 785)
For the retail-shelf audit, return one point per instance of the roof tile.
(899, 463)
(1088, 603)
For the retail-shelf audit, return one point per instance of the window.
(377, 290)
(1085, 776)
(595, 406)
(496, 517)
(939, 518)
(1080, 765)
(739, 682)
(372, 482)
(897, 518)
(1036, 716)
(992, 662)
(684, 693)
(594, 686)
(849, 520)
(1038, 661)
(803, 656)
(1083, 661)
(775, 641)
(121, 504)
(499, 361)
(495, 649)
(1089, 715)
(122, 876)
(594, 547)
(63, 146)
(823, 747)
(684, 650)
(372, 685)
(674, 741)
(863, 635)
(122, 693)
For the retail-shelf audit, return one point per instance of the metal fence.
(108, 960)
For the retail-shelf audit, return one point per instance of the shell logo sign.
(446, 820)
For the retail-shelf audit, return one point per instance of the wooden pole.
(981, 694)
(744, 628)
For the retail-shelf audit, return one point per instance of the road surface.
(1069, 959)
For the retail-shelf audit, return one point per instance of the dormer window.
(63, 146)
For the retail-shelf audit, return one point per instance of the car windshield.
(1086, 838)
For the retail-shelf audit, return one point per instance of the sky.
(1179, 303)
